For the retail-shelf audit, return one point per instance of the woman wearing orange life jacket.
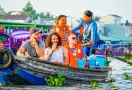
(75, 51)
(62, 29)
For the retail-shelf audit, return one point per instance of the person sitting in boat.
(33, 47)
(75, 51)
(62, 29)
(55, 52)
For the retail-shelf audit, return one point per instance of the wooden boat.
(35, 70)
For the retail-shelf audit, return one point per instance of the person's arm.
(93, 32)
(47, 54)
(65, 56)
(22, 49)
(77, 27)
(49, 51)
(40, 49)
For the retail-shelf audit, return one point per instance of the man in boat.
(90, 31)
(33, 47)
(75, 51)
(55, 52)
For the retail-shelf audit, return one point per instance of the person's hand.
(33, 41)
(54, 46)
(26, 54)
(91, 42)
(42, 58)
(56, 61)
(85, 59)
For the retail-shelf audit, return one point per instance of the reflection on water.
(118, 69)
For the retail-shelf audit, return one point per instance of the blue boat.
(33, 71)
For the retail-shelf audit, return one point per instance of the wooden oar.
(106, 53)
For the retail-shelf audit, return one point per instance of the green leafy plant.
(55, 81)
(126, 57)
(128, 77)
(94, 84)
(111, 80)
(107, 62)
(114, 88)
(129, 65)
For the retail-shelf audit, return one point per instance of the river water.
(118, 68)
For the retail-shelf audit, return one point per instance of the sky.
(74, 8)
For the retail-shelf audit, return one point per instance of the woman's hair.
(71, 34)
(88, 13)
(59, 17)
(49, 40)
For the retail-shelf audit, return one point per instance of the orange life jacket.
(59, 31)
(72, 61)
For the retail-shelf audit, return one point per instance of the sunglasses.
(74, 38)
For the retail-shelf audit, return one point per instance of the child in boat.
(33, 47)
(55, 52)
(75, 51)
(62, 29)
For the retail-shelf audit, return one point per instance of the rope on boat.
(6, 57)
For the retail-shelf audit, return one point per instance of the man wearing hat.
(34, 47)
(90, 31)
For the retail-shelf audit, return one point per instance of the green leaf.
(60, 83)
(46, 79)
(51, 81)
(50, 84)
(62, 79)
(56, 81)
(60, 75)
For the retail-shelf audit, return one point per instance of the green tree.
(28, 9)
(55, 20)
(2, 11)
(96, 18)
(48, 15)
(41, 15)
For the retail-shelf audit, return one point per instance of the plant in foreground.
(107, 62)
(55, 81)
(114, 88)
(94, 84)
(111, 80)
(128, 77)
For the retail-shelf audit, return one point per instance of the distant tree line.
(30, 11)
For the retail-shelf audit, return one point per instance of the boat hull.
(73, 75)
(34, 70)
